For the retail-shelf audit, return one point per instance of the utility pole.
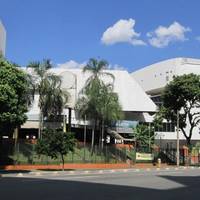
(177, 144)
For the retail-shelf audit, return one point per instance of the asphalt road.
(165, 184)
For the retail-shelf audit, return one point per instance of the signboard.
(144, 156)
(126, 126)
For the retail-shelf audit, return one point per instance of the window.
(165, 127)
(157, 100)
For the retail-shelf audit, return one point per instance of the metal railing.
(24, 152)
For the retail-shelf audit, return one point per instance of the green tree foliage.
(14, 97)
(96, 69)
(144, 135)
(109, 108)
(98, 101)
(183, 95)
(55, 143)
(52, 98)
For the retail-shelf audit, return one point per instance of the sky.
(129, 34)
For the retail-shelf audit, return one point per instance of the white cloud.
(122, 31)
(72, 64)
(163, 36)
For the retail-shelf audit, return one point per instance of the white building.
(2, 39)
(134, 101)
(153, 79)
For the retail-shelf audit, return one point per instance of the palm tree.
(96, 69)
(86, 105)
(48, 85)
(95, 93)
(109, 108)
(54, 99)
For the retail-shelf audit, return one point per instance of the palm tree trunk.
(100, 131)
(92, 144)
(69, 119)
(40, 125)
(102, 134)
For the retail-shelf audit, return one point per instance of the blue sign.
(126, 124)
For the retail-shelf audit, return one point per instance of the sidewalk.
(83, 166)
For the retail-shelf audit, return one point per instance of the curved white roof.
(131, 95)
(153, 78)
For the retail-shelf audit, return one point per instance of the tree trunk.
(92, 145)
(188, 139)
(102, 135)
(15, 136)
(63, 162)
(1, 147)
(40, 125)
(69, 119)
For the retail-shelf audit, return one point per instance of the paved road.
(165, 184)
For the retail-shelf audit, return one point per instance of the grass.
(26, 155)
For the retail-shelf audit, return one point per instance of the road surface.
(132, 184)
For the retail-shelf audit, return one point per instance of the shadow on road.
(32, 189)
(2, 171)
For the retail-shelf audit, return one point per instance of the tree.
(98, 101)
(144, 135)
(96, 69)
(108, 108)
(55, 143)
(14, 97)
(183, 95)
(52, 98)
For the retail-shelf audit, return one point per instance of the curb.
(73, 166)
(38, 173)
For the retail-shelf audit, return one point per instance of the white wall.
(2, 39)
(153, 80)
(131, 96)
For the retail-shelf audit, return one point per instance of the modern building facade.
(2, 39)
(154, 78)
(134, 104)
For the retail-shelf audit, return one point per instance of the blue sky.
(127, 33)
